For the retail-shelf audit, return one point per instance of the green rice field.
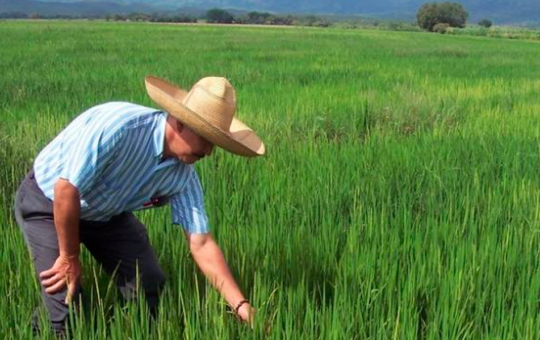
(399, 197)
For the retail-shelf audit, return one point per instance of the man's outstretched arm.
(212, 263)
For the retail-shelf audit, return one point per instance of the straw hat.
(208, 109)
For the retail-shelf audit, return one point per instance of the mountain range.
(499, 11)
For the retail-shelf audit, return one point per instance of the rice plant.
(399, 198)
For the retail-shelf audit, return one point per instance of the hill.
(87, 8)
(500, 11)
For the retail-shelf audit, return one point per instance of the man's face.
(188, 146)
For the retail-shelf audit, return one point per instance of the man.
(119, 157)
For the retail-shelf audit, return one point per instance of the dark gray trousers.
(120, 245)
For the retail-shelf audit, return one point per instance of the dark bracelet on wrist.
(240, 305)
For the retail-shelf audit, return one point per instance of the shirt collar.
(159, 142)
(159, 134)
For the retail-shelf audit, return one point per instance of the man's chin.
(189, 160)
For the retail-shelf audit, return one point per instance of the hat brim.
(240, 139)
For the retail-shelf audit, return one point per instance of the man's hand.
(65, 271)
(67, 268)
(246, 313)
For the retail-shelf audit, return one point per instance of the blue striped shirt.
(113, 154)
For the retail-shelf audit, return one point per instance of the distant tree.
(393, 26)
(323, 23)
(431, 14)
(310, 20)
(219, 16)
(138, 17)
(485, 23)
(118, 17)
(182, 18)
(35, 16)
(257, 18)
(277, 20)
(314, 21)
(157, 17)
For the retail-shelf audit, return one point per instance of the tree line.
(433, 17)
(211, 16)
(220, 16)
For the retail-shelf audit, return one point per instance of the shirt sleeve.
(91, 153)
(187, 207)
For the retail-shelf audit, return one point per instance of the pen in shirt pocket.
(156, 202)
